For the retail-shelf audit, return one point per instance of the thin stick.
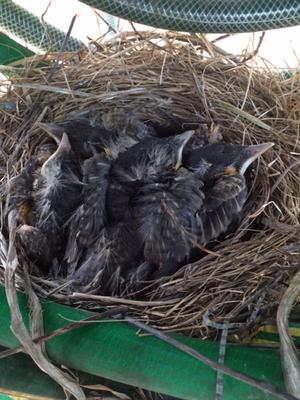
(56, 65)
(262, 385)
(255, 52)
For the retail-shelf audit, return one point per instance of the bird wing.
(224, 189)
(223, 203)
(110, 256)
(93, 215)
(85, 225)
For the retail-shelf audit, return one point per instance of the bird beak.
(180, 141)
(63, 148)
(252, 153)
(53, 130)
(64, 145)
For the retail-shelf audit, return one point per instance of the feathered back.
(165, 212)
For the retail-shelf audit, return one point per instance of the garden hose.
(179, 15)
(23, 25)
(207, 16)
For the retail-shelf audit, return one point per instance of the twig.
(56, 65)
(111, 299)
(44, 22)
(36, 313)
(255, 52)
(286, 171)
(259, 384)
(110, 27)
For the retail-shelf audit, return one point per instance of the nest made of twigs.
(182, 81)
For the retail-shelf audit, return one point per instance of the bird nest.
(178, 82)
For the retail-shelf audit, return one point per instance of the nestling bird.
(19, 197)
(127, 124)
(116, 204)
(124, 123)
(87, 221)
(150, 157)
(20, 188)
(136, 277)
(107, 261)
(223, 167)
(165, 211)
(82, 136)
(196, 206)
(57, 196)
(141, 164)
(114, 133)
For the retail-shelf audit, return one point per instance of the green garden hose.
(205, 15)
(115, 351)
(181, 15)
(21, 24)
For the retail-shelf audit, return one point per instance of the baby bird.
(20, 188)
(116, 250)
(196, 206)
(165, 211)
(57, 196)
(150, 157)
(87, 221)
(113, 133)
(223, 167)
(127, 124)
(140, 164)
(19, 197)
(82, 136)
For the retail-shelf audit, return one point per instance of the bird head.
(165, 154)
(249, 154)
(54, 130)
(218, 159)
(169, 150)
(52, 166)
(151, 157)
(177, 144)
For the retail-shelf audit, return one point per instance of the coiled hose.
(206, 15)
